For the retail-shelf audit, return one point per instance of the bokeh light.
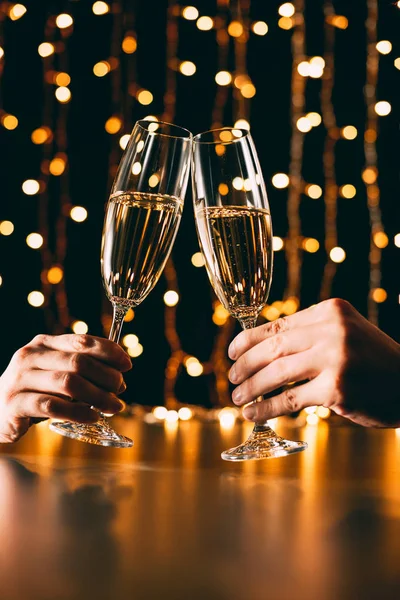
(130, 340)
(55, 275)
(379, 295)
(337, 254)
(381, 240)
(277, 243)
(187, 68)
(63, 94)
(310, 245)
(30, 187)
(198, 260)
(144, 97)
(349, 132)
(45, 49)
(113, 125)
(348, 191)
(260, 28)
(314, 191)
(78, 214)
(287, 9)
(79, 327)
(129, 44)
(34, 240)
(64, 20)
(171, 298)
(123, 140)
(384, 47)
(101, 68)
(280, 180)
(6, 228)
(383, 108)
(9, 122)
(36, 298)
(223, 78)
(190, 13)
(100, 8)
(205, 23)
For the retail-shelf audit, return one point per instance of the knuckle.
(81, 342)
(290, 401)
(48, 406)
(21, 355)
(279, 326)
(67, 381)
(77, 362)
(39, 339)
(338, 307)
(276, 344)
(280, 372)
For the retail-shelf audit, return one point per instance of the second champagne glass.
(235, 234)
(142, 220)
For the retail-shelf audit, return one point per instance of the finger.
(272, 348)
(251, 337)
(297, 367)
(80, 363)
(71, 385)
(104, 350)
(290, 400)
(46, 406)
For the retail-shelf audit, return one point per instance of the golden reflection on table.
(167, 518)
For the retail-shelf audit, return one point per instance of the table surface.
(168, 519)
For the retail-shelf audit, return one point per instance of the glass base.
(263, 443)
(99, 433)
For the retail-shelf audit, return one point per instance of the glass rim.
(245, 133)
(189, 135)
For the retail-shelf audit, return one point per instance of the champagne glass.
(141, 222)
(235, 234)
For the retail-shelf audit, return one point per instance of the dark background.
(93, 153)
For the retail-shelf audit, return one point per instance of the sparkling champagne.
(138, 235)
(236, 243)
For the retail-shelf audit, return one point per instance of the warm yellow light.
(198, 259)
(286, 10)
(381, 240)
(310, 245)
(337, 254)
(379, 295)
(338, 21)
(6, 227)
(129, 44)
(136, 351)
(30, 187)
(40, 135)
(130, 340)
(349, 132)
(55, 275)
(154, 180)
(290, 306)
(277, 243)
(101, 68)
(241, 80)
(1, 281)
(304, 125)
(130, 315)
(396, 240)
(35, 299)
(235, 29)
(113, 125)
(323, 412)
(286, 23)
(223, 78)
(171, 298)
(238, 183)
(187, 68)
(17, 11)
(347, 191)
(63, 94)
(185, 413)
(219, 150)
(1, 52)
(205, 23)
(190, 13)
(123, 140)
(64, 20)
(100, 8)
(280, 180)
(396, 62)
(314, 191)
(45, 49)
(384, 47)
(260, 28)
(194, 368)
(248, 90)
(78, 214)
(34, 240)
(310, 410)
(370, 175)
(62, 79)
(144, 97)
(136, 168)
(315, 70)
(383, 108)
(160, 412)
(314, 118)
(304, 68)
(242, 124)
(220, 315)
(57, 166)
(225, 135)
(79, 327)
(271, 313)
(312, 419)
(370, 136)
(172, 416)
(227, 417)
(9, 122)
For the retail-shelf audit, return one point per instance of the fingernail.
(122, 388)
(236, 396)
(232, 350)
(116, 405)
(249, 412)
(232, 375)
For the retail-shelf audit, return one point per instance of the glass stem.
(119, 313)
(249, 323)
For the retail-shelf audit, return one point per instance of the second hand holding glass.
(235, 234)
(141, 223)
